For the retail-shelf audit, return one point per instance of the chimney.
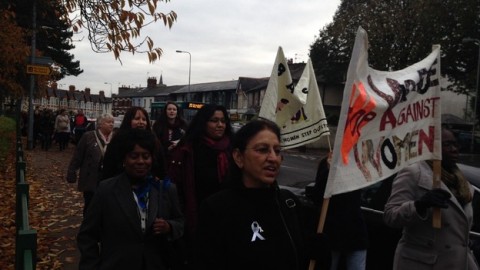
(151, 82)
(71, 92)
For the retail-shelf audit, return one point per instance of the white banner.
(309, 123)
(388, 120)
(298, 112)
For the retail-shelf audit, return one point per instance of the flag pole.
(324, 210)
(437, 174)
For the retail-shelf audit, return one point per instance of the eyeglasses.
(450, 144)
(217, 120)
(266, 150)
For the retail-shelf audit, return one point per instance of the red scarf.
(222, 148)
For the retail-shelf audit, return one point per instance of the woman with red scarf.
(199, 163)
(170, 126)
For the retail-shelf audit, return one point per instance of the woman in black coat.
(132, 217)
(253, 224)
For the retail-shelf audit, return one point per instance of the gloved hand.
(433, 198)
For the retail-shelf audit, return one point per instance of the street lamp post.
(477, 42)
(30, 135)
(110, 88)
(189, 69)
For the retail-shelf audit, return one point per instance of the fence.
(26, 238)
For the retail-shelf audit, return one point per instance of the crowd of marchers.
(174, 195)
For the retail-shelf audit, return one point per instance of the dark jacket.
(194, 171)
(345, 226)
(227, 224)
(110, 236)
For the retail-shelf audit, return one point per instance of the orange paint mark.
(360, 112)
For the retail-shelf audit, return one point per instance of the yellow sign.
(39, 70)
(196, 106)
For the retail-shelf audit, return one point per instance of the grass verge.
(7, 136)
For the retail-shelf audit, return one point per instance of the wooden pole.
(321, 224)
(323, 212)
(437, 174)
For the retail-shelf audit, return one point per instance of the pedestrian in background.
(79, 125)
(135, 118)
(252, 224)
(47, 126)
(170, 126)
(199, 164)
(410, 207)
(62, 129)
(133, 216)
(37, 135)
(88, 157)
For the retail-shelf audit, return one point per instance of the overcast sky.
(226, 39)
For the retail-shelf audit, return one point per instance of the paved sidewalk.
(55, 208)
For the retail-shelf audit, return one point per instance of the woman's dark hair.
(241, 139)
(161, 124)
(130, 115)
(197, 127)
(128, 138)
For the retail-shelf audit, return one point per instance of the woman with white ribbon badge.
(253, 224)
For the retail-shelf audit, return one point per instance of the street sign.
(39, 70)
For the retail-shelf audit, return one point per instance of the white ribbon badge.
(256, 229)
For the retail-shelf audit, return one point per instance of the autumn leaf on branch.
(115, 26)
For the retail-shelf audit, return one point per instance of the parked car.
(236, 126)
(465, 142)
(383, 239)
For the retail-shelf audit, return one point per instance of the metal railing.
(26, 238)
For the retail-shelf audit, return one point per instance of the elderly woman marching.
(88, 158)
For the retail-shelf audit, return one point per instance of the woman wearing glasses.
(253, 224)
(199, 163)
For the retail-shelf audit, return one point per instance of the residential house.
(72, 100)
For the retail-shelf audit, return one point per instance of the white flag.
(388, 120)
(280, 101)
(309, 123)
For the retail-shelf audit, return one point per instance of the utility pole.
(30, 135)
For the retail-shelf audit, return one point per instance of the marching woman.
(411, 205)
(132, 216)
(170, 126)
(253, 224)
(198, 165)
(135, 118)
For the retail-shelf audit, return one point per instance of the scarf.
(106, 139)
(456, 182)
(222, 148)
(169, 129)
(142, 191)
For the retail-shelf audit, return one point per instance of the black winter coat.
(244, 228)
